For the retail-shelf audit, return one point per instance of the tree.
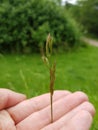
(26, 24)
(88, 15)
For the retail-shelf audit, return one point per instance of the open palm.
(72, 111)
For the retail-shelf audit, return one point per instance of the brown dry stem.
(52, 68)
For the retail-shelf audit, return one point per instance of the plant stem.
(51, 99)
(52, 80)
(51, 67)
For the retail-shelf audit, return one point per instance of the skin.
(72, 111)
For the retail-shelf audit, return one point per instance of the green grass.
(75, 71)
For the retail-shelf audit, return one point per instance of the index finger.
(9, 98)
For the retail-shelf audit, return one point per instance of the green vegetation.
(76, 70)
(86, 13)
(25, 24)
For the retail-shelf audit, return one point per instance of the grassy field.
(75, 71)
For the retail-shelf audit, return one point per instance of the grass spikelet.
(51, 67)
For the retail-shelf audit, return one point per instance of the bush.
(25, 25)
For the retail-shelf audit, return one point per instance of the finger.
(42, 118)
(30, 106)
(86, 106)
(82, 121)
(6, 123)
(9, 98)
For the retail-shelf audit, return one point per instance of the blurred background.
(24, 27)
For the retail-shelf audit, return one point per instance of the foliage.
(25, 25)
(90, 18)
(86, 12)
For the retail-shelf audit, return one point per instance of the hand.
(72, 111)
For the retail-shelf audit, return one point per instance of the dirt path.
(91, 42)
